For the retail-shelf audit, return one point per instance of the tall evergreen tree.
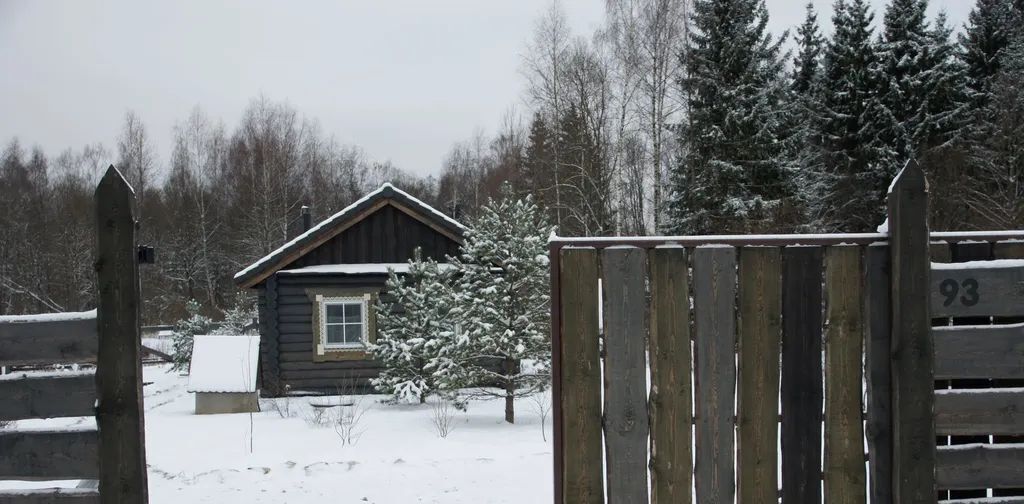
(982, 43)
(902, 65)
(807, 63)
(539, 165)
(849, 189)
(586, 181)
(734, 176)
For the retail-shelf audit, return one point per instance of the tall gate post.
(119, 413)
(913, 376)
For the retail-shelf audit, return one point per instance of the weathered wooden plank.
(671, 388)
(985, 500)
(845, 478)
(624, 270)
(714, 286)
(802, 386)
(979, 411)
(980, 466)
(913, 379)
(760, 326)
(1008, 250)
(50, 496)
(940, 252)
(53, 339)
(978, 289)
(979, 352)
(878, 428)
(581, 378)
(70, 454)
(119, 411)
(47, 397)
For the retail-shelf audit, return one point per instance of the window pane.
(335, 313)
(354, 313)
(336, 333)
(353, 333)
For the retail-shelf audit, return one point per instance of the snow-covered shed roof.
(335, 224)
(353, 269)
(224, 363)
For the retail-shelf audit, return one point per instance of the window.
(344, 322)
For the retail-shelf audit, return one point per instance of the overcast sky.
(403, 79)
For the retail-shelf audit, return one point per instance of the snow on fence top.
(224, 364)
(48, 317)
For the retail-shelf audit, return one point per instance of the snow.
(224, 364)
(355, 269)
(341, 215)
(884, 226)
(48, 317)
(398, 459)
(995, 264)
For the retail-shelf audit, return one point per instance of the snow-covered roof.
(322, 230)
(224, 363)
(353, 269)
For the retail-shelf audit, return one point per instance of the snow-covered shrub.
(502, 303)
(238, 318)
(442, 416)
(185, 330)
(415, 331)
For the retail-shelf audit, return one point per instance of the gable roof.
(330, 227)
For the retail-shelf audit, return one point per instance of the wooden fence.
(695, 369)
(113, 453)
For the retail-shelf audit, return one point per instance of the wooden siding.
(388, 235)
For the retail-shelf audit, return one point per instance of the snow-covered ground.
(399, 458)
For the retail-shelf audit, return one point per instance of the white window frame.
(364, 303)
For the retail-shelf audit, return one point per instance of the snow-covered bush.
(185, 330)
(238, 318)
(502, 303)
(415, 331)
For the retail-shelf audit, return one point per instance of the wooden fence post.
(119, 411)
(913, 360)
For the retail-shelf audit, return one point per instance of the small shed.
(223, 373)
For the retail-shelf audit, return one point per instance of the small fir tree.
(185, 331)
(503, 302)
(239, 319)
(416, 329)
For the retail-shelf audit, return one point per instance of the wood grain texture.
(912, 350)
(760, 327)
(878, 366)
(50, 496)
(624, 270)
(979, 352)
(714, 286)
(978, 291)
(802, 385)
(581, 378)
(985, 500)
(119, 410)
(979, 411)
(47, 397)
(49, 342)
(671, 388)
(845, 478)
(48, 454)
(980, 466)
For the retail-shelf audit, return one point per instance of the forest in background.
(674, 116)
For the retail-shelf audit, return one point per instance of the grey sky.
(403, 79)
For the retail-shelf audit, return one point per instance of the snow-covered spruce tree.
(415, 331)
(807, 62)
(901, 75)
(734, 176)
(805, 97)
(983, 43)
(185, 330)
(503, 302)
(854, 175)
(238, 318)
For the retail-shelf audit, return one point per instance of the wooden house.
(317, 292)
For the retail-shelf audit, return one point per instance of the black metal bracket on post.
(147, 254)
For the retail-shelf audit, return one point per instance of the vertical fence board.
(760, 325)
(119, 413)
(583, 482)
(879, 377)
(714, 280)
(671, 362)
(802, 388)
(913, 376)
(625, 373)
(845, 478)
(1008, 250)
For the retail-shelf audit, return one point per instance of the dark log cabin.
(317, 292)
